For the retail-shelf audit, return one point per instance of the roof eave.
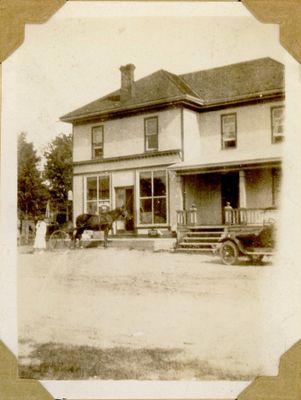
(191, 169)
(262, 96)
(186, 99)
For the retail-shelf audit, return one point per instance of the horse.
(103, 221)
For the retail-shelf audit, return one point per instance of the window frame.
(95, 146)
(100, 202)
(146, 134)
(280, 137)
(153, 197)
(234, 114)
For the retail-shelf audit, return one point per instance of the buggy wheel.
(60, 240)
(229, 252)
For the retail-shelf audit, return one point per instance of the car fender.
(233, 239)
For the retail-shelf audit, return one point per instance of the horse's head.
(123, 212)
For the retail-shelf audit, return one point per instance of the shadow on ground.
(58, 361)
(243, 262)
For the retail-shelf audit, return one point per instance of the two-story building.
(167, 143)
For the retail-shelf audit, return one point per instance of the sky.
(75, 57)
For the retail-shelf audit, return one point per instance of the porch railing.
(187, 217)
(249, 216)
(232, 216)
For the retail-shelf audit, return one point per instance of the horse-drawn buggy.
(61, 234)
(253, 240)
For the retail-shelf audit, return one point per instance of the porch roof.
(184, 168)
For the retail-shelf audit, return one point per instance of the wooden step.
(206, 227)
(193, 250)
(214, 234)
(201, 239)
(196, 244)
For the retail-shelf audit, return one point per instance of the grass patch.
(58, 361)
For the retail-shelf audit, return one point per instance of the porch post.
(242, 190)
(175, 198)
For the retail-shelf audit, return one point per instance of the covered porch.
(245, 192)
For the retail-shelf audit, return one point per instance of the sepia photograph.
(149, 185)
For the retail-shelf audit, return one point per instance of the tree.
(32, 194)
(58, 168)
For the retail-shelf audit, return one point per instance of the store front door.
(125, 196)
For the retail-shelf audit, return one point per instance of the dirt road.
(139, 300)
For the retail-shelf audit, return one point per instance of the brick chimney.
(127, 82)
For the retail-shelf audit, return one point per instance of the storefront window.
(146, 211)
(159, 183)
(153, 197)
(145, 184)
(103, 188)
(91, 188)
(97, 193)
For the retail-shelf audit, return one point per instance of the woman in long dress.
(40, 238)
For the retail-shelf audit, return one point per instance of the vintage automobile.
(255, 242)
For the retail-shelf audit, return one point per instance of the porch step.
(192, 250)
(204, 227)
(200, 239)
(196, 244)
(204, 234)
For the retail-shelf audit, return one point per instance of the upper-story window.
(277, 117)
(97, 142)
(228, 131)
(151, 133)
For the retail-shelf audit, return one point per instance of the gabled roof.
(234, 82)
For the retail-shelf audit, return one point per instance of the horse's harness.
(105, 217)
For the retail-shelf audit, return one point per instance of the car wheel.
(229, 252)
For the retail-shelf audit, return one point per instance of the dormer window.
(277, 115)
(228, 131)
(97, 142)
(151, 133)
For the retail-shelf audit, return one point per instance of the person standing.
(40, 238)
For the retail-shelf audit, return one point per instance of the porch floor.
(201, 226)
(135, 242)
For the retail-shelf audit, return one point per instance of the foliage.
(58, 168)
(32, 194)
